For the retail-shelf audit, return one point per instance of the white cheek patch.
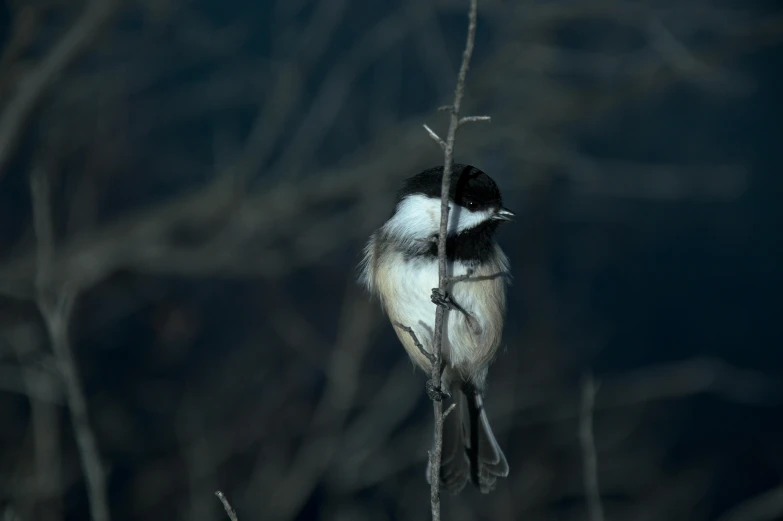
(418, 217)
(462, 219)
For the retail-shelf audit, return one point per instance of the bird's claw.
(442, 299)
(436, 394)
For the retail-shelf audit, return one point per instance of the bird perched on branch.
(400, 265)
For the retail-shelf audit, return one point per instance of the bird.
(400, 266)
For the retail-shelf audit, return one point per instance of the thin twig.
(460, 278)
(448, 152)
(416, 342)
(589, 457)
(227, 506)
(56, 303)
(435, 137)
(677, 54)
(470, 119)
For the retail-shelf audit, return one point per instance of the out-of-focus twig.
(55, 302)
(45, 420)
(662, 382)
(589, 457)
(34, 383)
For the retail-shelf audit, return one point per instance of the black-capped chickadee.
(400, 265)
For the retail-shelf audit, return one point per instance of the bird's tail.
(470, 450)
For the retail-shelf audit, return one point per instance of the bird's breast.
(406, 287)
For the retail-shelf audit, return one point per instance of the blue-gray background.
(216, 167)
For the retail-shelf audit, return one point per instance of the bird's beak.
(504, 214)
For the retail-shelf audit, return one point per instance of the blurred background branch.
(56, 303)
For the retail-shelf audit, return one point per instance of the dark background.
(215, 168)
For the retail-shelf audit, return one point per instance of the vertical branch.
(45, 419)
(56, 303)
(589, 457)
(448, 158)
(48, 458)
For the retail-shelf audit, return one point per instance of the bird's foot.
(436, 394)
(443, 299)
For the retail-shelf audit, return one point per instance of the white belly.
(405, 285)
(413, 282)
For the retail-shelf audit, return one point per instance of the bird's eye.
(470, 204)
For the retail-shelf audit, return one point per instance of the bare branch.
(45, 421)
(589, 457)
(408, 330)
(227, 506)
(460, 278)
(469, 119)
(55, 302)
(448, 148)
(35, 384)
(435, 137)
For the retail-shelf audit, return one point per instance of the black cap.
(469, 187)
